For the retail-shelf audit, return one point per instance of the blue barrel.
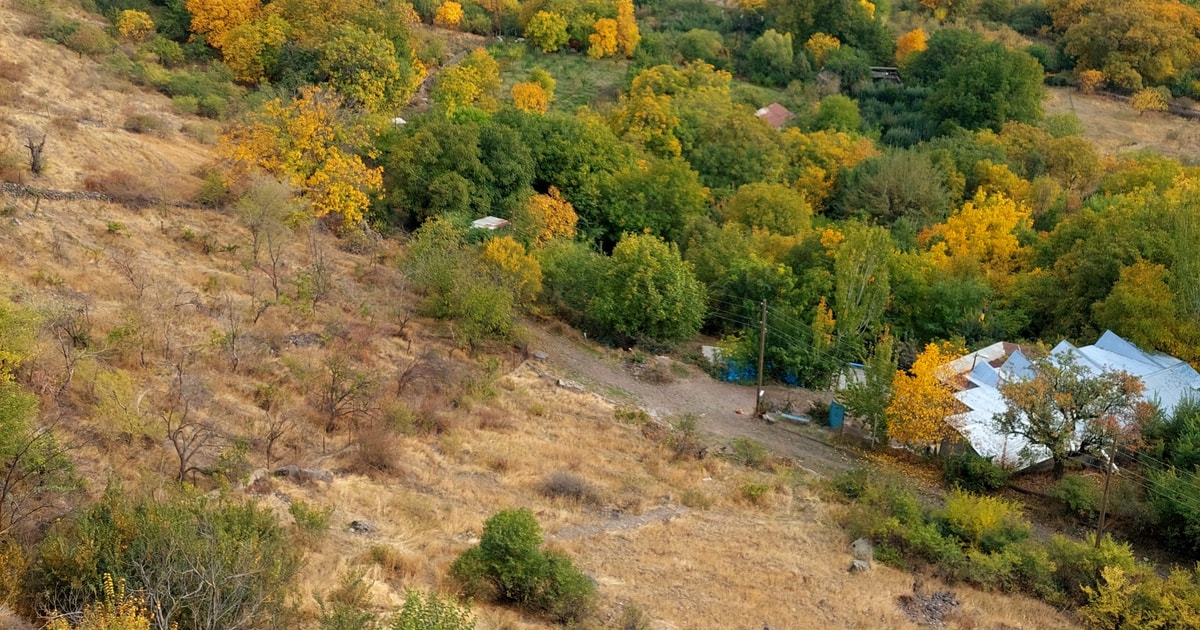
(837, 414)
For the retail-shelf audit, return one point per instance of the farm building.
(978, 375)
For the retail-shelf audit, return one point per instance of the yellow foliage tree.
(513, 267)
(545, 217)
(815, 159)
(449, 14)
(628, 35)
(251, 48)
(1149, 100)
(823, 326)
(309, 143)
(909, 43)
(1089, 80)
(547, 30)
(604, 39)
(472, 82)
(135, 26)
(544, 79)
(922, 400)
(868, 7)
(981, 237)
(649, 120)
(820, 45)
(530, 97)
(215, 18)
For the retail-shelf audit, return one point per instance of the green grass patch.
(579, 79)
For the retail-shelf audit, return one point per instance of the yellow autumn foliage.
(307, 142)
(981, 236)
(117, 610)
(135, 26)
(546, 217)
(449, 14)
(248, 47)
(1150, 100)
(922, 400)
(530, 97)
(604, 39)
(1089, 80)
(649, 120)
(215, 18)
(820, 45)
(817, 158)
(513, 267)
(909, 43)
(628, 35)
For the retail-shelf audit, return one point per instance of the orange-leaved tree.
(309, 142)
(922, 399)
(530, 97)
(909, 43)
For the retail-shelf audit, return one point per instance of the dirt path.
(714, 403)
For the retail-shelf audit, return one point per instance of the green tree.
(978, 84)
(704, 45)
(510, 565)
(658, 196)
(772, 207)
(868, 398)
(770, 58)
(368, 70)
(899, 187)
(862, 285)
(647, 290)
(838, 113)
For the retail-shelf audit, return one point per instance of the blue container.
(837, 415)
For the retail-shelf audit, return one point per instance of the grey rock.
(860, 566)
(362, 527)
(540, 356)
(863, 550)
(302, 475)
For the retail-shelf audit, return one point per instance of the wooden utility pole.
(1108, 467)
(762, 353)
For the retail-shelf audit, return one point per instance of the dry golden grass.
(1114, 127)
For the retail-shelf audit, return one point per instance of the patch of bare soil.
(1115, 128)
(724, 410)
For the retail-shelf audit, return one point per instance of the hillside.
(282, 369)
(133, 297)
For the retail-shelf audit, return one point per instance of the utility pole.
(1108, 468)
(762, 353)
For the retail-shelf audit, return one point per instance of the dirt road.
(691, 391)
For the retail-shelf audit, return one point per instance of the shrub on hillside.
(509, 565)
(431, 612)
(1079, 495)
(569, 486)
(973, 473)
(986, 523)
(202, 562)
(749, 452)
(143, 123)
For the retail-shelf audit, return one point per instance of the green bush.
(509, 565)
(202, 562)
(89, 39)
(973, 473)
(1079, 495)
(853, 483)
(1078, 564)
(431, 612)
(749, 452)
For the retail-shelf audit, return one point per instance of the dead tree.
(188, 433)
(344, 394)
(36, 163)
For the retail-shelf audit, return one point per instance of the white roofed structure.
(978, 375)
